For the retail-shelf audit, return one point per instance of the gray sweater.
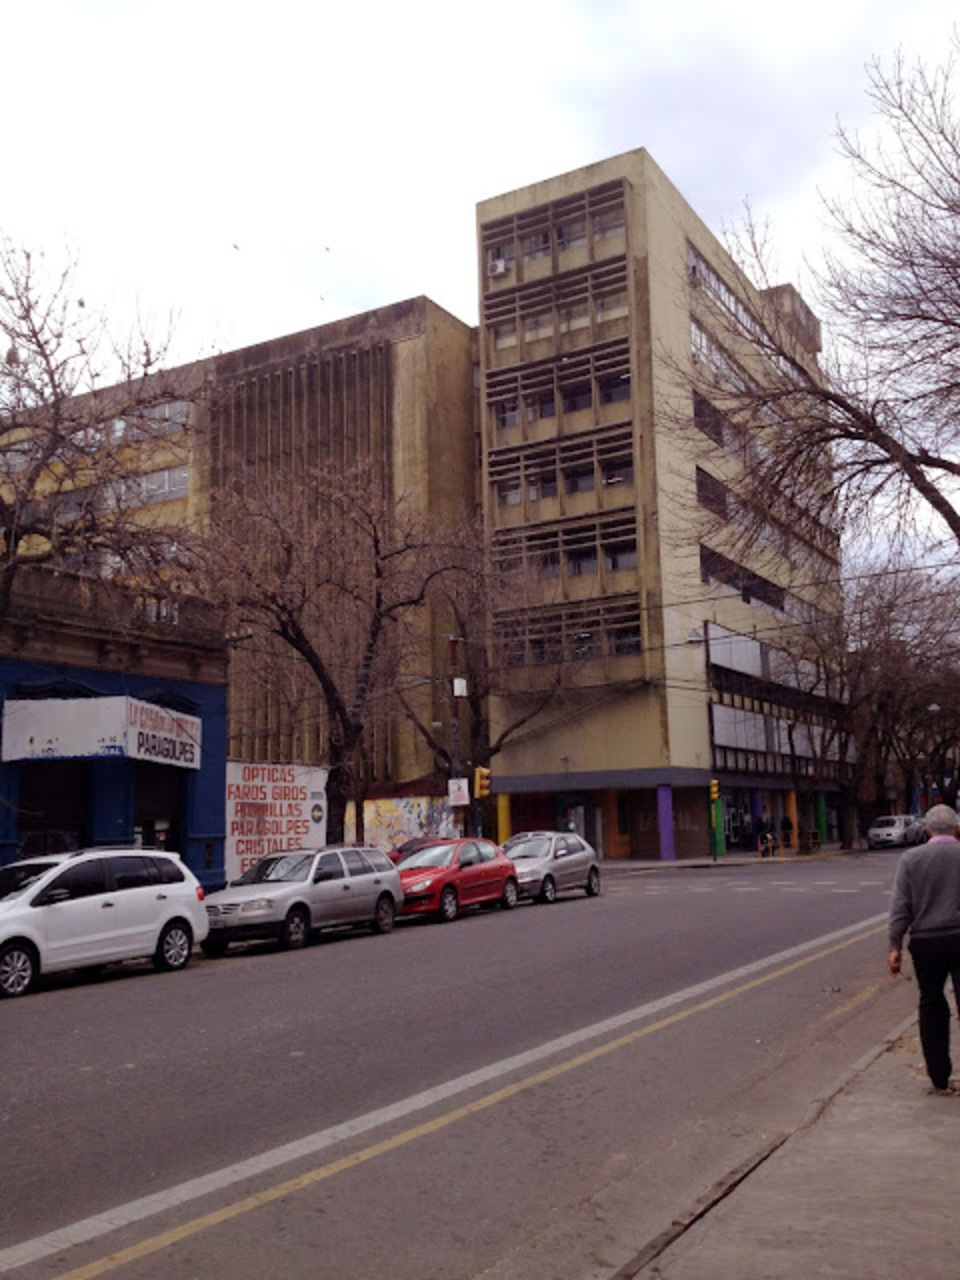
(926, 892)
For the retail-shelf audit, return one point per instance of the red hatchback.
(447, 875)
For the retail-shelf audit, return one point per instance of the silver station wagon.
(288, 895)
(552, 862)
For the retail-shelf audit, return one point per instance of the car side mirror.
(468, 860)
(322, 873)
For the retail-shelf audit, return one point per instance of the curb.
(726, 1185)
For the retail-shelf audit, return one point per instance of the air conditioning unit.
(498, 267)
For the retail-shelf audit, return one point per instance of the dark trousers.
(935, 960)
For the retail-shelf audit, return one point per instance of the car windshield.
(434, 855)
(886, 822)
(21, 875)
(533, 847)
(294, 866)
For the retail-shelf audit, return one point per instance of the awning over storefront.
(98, 728)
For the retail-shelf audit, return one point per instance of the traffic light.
(481, 782)
(714, 789)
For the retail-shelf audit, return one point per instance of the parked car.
(288, 895)
(444, 877)
(895, 829)
(94, 907)
(552, 862)
(410, 846)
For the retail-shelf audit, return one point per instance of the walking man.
(926, 901)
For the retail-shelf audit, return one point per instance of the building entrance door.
(159, 806)
(52, 814)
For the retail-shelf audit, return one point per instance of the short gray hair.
(941, 820)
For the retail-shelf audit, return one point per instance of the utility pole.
(458, 787)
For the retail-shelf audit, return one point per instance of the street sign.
(458, 791)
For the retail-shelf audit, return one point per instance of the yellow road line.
(165, 1239)
(861, 998)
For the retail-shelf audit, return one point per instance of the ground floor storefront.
(93, 757)
(672, 820)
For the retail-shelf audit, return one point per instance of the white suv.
(67, 911)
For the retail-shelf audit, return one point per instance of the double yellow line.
(165, 1239)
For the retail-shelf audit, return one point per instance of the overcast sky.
(256, 169)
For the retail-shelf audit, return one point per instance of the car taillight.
(199, 892)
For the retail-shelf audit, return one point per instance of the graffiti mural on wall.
(389, 822)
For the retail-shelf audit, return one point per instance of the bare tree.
(905, 664)
(327, 572)
(875, 692)
(467, 600)
(83, 419)
(873, 434)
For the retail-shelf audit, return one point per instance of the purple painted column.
(756, 805)
(668, 851)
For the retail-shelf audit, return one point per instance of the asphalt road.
(517, 1095)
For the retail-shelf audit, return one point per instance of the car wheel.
(510, 895)
(385, 914)
(214, 947)
(448, 904)
(18, 969)
(296, 929)
(593, 883)
(173, 949)
(548, 890)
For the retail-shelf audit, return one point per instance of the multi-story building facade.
(390, 390)
(611, 322)
(606, 313)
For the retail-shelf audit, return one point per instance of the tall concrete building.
(392, 389)
(606, 308)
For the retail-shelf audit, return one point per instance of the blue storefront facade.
(57, 797)
(113, 722)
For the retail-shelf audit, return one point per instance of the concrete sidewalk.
(739, 858)
(866, 1189)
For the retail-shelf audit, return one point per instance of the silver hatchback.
(552, 862)
(287, 895)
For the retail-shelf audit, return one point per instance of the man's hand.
(893, 961)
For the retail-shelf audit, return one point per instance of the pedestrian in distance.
(926, 902)
(760, 832)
